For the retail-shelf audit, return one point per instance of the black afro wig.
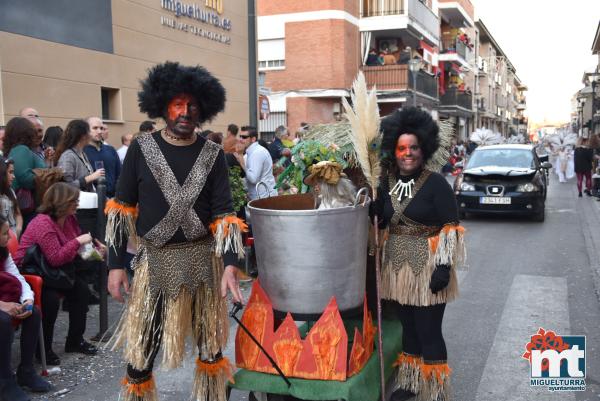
(409, 120)
(167, 80)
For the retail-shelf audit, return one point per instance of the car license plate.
(495, 200)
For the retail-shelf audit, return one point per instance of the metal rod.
(378, 291)
(101, 230)
(236, 308)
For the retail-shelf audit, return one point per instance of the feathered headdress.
(561, 139)
(484, 136)
(442, 154)
(363, 116)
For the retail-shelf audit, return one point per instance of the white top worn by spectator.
(122, 151)
(11, 268)
(259, 168)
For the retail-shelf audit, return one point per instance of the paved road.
(522, 275)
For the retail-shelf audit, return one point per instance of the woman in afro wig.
(424, 246)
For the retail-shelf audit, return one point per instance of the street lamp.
(593, 79)
(414, 65)
(581, 103)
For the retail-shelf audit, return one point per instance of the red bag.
(10, 288)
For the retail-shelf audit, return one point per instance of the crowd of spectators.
(40, 217)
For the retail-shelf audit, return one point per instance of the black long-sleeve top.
(584, 158)
(137, 186)
(433, 205)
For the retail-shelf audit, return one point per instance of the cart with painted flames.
(306, 332)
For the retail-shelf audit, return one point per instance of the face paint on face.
(409, 155)
(183, 114)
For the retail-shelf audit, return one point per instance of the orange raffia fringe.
(210, 380)
(404, 358)
(120, 222)
(213, 369)
(441, 371)
(408, 375)
(113, 206)
(449, 246)
(140, 391)
(435, 382)
(228, 231)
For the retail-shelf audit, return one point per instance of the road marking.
(533, 302)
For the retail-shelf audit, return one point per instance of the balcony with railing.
(399, 78)
(378, 8)
(457, 49)
(382, 15)
(458, 12)
(454, 97)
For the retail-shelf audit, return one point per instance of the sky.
(549, 42)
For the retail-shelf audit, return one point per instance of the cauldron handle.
(258, 184)
(363, 190)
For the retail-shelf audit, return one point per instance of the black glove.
(440, 278)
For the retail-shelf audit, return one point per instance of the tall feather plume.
(363, 116)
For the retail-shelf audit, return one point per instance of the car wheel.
(540, 216)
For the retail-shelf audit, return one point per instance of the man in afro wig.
(165, 81)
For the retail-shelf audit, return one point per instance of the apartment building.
(428, 53)
(500, 91)
(457, 65)
(80, 58)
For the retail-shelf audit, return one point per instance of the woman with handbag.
(16, 303)
(56, 233)
(71, 158)
(20, 139)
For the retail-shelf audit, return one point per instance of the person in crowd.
(231, 139)
(56, 231)
(103, 156)
(39, 148)
(2, 131)
(125, 142)
(257, 165)
(19, 141)
(216, 137)
(418, 209)
(71, 158)
(105, 132)
(147, 126)
(388, 58)
(584, 158)
(16, 303)
(276, 147)
(372, 58)
(52, 136)
(177, 291)
(405, 55)
(9, 208)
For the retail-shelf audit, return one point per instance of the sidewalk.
(588, 210)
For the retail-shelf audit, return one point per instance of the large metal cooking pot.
(305, 256)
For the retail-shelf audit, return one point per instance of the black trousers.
(78, 298)
(422, 331)
(30, 330)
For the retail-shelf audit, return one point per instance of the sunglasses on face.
(244, 136)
